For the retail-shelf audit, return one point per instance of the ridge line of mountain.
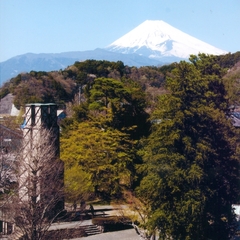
(152, 43)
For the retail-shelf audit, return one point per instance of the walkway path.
(129, 234)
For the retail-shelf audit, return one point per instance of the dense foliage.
(232, 82)
(189, 161)
(192, 174)
(63, 86)
(103, 156)
(228, 60)
(100, 141)
(40, 87)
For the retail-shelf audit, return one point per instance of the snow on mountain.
(151, 43)
(157, 39)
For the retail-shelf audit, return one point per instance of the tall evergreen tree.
(192, 174)
(124, 101)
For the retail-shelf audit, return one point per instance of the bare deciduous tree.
(9, 142)
(40, 187)
(138, 212)
(7, 170)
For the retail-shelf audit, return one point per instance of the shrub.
(113, 223)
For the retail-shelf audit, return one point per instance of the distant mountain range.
(57, 61)
(151, 43)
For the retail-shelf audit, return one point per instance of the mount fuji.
(152, 43)
(160, 41)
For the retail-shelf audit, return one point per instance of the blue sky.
(54, 26)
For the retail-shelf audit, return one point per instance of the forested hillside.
(161, 135)
(63, 86)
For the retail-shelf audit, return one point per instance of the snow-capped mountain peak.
(157, 39)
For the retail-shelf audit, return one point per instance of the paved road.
(129, 234)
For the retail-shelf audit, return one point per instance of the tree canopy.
(104, 155)
(192, 174)
(191, 167)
